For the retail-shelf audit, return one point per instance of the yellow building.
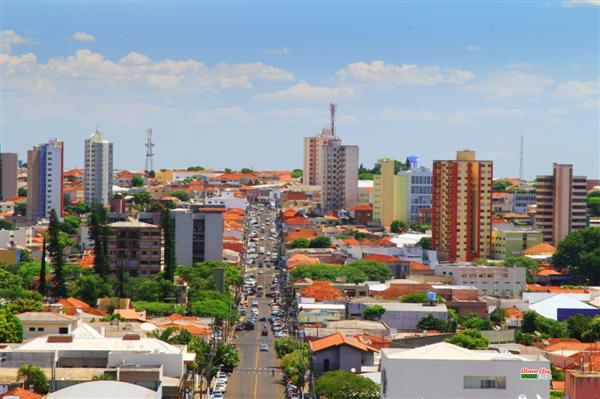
(390, 194)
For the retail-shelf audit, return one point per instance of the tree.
(430, 322)
(195, 168)
(498, 315)
(399, 226)
(169, 235)
(531, 265)
(295, 365)
(500, 185)
(158, 308)
(342, 384)
(11, 327)
(33, 375)
(42, 286)
(142, 198)
(172, 335)
(577, 325)
(99, 232)
(247, 170)
(56, 250)
(474, 322)
(137, 181)
(425, 243)
(320, 242)
(21, 305)
(297, 173)
(70, 224)
(593, 334)
(287, 345)
(22, 192)
(6, 225)
(373, 312)
(579, 252)
(548, 328)
(181, 194)
(470, 339)
(208, 357)
(419, 297)
(593, 202)
(89, 288)
(227, 170)
(365, 176)
(300, 243)
(21, 209)
(375, 271)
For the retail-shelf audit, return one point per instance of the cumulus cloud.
(379, 72)
(8, 38)
(283, 51)
(579, 3)
(94, 71)
(472, 48)
(230, 114)
(500, 84)
(578, 90)
(462, 115)
(520, 65)
(83, 37)
(305, 92)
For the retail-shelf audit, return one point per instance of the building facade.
(561, 203)
(136, 248)
(45, 164)
(387, 194)
(509, 243)
(98, 172)
(502, 281)
(462, 208)
(8, 174)
(522, 201)
(333, 167)
(198, 234)
(419, 191)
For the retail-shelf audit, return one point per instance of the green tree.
(470, 339)
(158, 308)
(172, 335)
(593, 334)
(579, 252)
(33, 375)
(375, 271)
(500, 185)
(6, 225)
(142, 199)
(56, 250)
(342, 384)
(531, 266)
(99, 232)
(365, 176)
(577, 325)
(425, 243)
(430, 322)
(474, 322)
(295, 365)
(498, 315)
(169, 235)
(137, 181)
(70, 224)
(89, 288)
(22, 192)
(287, 345)
(181, 194)
(399, 226)
(373, 312)
(11, 327)
(209, 357)
(227, 170)
(297, 173)
(42, 286)
(21, 209)
(247, 170)
(21, 305)
(419, 297)
(320, 242)
(593, 202)
(300, 243)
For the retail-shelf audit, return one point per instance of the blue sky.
(239, 84)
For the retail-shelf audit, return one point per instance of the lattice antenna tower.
(149, 152)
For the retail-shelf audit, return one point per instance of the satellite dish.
(148, 327)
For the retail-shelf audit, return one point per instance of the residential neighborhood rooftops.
(447, 351)
(21, 394)
(46, 317)
(337, 340)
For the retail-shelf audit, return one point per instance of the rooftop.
(337, 340)
(447, 351)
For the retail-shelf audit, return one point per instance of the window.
(326, 365)
(63, 330)
(40, 329)
(31, 328)
(484, 382)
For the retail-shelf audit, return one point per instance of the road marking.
(256, 376)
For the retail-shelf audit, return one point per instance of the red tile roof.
(540, 249)
(21, 394)
(337, 340)
(321, 291)
(382, 258)
(297, 221)
(413, 265)
(362, 208)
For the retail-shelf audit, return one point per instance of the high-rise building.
(98, 172)
(462, 208)
(45, 179)
(561, 205)
(136, 248)
(8, 174)
(333, 166)
(198, 234)
(399, 196)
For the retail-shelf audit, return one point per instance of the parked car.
(264, 347)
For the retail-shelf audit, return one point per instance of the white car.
(217, 395)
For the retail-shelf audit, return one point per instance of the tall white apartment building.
(333, 167)
(98, 173)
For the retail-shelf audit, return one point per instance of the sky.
(237, 84)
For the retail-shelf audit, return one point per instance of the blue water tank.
(431, 296)
(412, 161)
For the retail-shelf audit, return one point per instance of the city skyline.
(418, 80)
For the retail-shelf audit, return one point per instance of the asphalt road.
(252, 378)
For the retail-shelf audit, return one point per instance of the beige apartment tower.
(8, 174)
(462, 208)
(561, 205)
(333, 167)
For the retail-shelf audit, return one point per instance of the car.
(264, 347)
(217, 395)
(262, 319)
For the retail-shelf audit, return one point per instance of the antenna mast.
(149, 152)
(332, 117)
(521, 164)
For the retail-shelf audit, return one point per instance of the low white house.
(446, 371)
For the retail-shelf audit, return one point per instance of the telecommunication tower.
(149, 152)
(332, 117)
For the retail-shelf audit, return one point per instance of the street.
(252, 378)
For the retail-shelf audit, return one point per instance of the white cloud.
(295, 113)
(8, 38)
(378, 72)
(83, 37)
(346, 120)
(557, 112)
(577, 3)
(500, 84)
(577, 90)
(230, 114)
(463, 115)
(94, 72)
(591, 103)
(520, 65)
(305, 92)
(283, 51)
(472, 48)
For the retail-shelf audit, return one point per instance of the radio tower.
(149, 152)
(521, 164)
(332, 117)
